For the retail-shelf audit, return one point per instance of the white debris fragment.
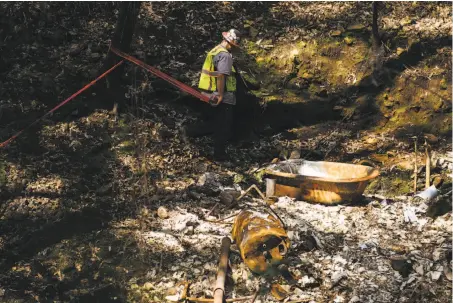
(179, 222)
(435, 275)
(421, 222)
(419, 270)
(338, 276)
(282, 201)
(339, 259)
(339, 299)
(306, 280)
(174, 298)
(409, 214)
(354, 299)
(162, 239)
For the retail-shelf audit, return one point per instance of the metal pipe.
(270, 187)
(219, 289)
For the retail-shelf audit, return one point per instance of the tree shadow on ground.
(100, 277)
(85, 168)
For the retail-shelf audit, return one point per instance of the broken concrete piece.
(409, 215)
(173, 298)
(419, 270)
(435, 275)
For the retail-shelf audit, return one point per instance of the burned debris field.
(334, 184)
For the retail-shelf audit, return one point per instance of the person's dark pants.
(220, 126)
(223, 127)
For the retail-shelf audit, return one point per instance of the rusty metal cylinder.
(262, 241)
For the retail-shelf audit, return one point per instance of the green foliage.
(238, 178)
(259, 175)
(397, 184)
(313, 89)
(3, 178)
(443, 84)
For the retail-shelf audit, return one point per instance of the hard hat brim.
(225, 34)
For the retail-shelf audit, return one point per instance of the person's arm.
(220, 88)
(223, 64)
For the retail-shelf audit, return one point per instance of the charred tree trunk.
(377, 51)
(122, 38)
(375, 27)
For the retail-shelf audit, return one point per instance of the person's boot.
(184, 136)
(223, 159)
(220, 156)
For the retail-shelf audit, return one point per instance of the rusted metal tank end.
(262, 241)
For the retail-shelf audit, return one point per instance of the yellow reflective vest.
(208, 76)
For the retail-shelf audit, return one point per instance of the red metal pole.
(160, 74)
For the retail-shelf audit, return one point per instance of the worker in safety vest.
(218, 79)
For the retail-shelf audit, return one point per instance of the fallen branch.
(255, 295)
(249, 189)
(428, 166)
(263, 197)
(185, 290)
(220, 221)
(212, 209)
(234, 204)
